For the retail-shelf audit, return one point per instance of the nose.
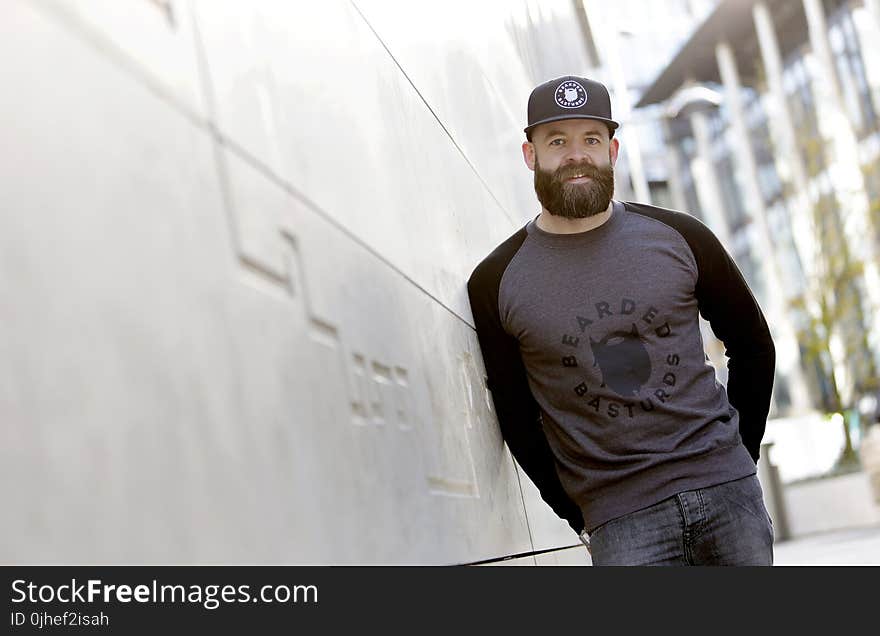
(578, 151)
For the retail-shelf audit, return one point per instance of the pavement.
(852, 546)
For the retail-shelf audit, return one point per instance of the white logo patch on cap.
(570, 94)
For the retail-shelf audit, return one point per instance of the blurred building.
(634, 40)
(770, 117)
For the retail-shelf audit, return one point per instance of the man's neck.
(561, 225)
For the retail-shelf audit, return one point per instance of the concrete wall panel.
(110, 233)
(234, 239)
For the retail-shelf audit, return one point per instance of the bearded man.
(588, 324)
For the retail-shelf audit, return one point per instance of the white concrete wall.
(234, 240)
(831, 504)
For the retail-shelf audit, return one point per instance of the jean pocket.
(746, 494)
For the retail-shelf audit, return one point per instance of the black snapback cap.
(569, 97)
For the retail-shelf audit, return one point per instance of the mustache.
(585, 168)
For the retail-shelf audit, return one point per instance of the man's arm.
(517, 411)
(727, 303)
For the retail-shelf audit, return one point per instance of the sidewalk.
(853, 546)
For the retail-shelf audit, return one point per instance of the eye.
(560, 141)
(592, 141)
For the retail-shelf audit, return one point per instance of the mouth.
(578, 179)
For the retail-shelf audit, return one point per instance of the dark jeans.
(725, 524)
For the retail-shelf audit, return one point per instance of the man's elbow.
(761, 340)
(767, 346)
(770, 347)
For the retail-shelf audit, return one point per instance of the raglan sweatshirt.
(597, 368)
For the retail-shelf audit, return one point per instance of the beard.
(575, 200)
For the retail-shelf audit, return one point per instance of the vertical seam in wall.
(523, 499)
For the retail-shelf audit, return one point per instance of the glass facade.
(839, 287)
(854, 87)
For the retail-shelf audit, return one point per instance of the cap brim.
(613, 124)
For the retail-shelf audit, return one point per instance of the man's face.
(573, 160)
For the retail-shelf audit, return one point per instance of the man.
(587, 319)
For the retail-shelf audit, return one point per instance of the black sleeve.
(517, 411)
(727, 303)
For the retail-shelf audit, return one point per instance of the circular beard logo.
(570, 94)
(623, 360)
(624, 377)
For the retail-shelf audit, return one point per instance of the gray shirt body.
(606, 323)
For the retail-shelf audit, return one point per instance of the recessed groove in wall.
(323, 332)
(451, 487)
(263, 280)
(259, 270)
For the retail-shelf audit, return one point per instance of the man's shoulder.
(681, 221)
(492, 267)
(699, 238)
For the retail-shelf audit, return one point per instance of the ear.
(528, 150)
(613, 149)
